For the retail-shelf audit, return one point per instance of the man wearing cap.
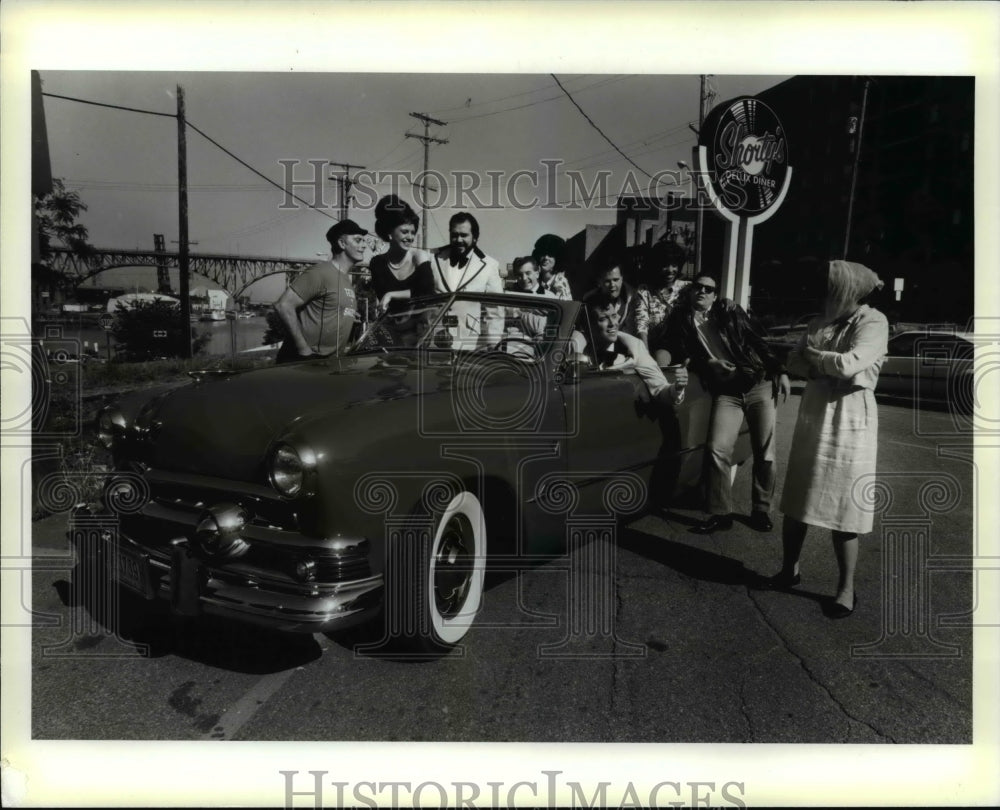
(318, 308)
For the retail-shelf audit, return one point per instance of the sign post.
(107, 323)
(742, 152)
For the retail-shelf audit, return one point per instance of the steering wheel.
(506, 345)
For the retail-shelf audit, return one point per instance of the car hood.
(223, 427)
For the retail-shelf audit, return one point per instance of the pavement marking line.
(241, 712)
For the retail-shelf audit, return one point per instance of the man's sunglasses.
(696, 286)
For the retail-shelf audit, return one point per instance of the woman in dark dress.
(403, 271)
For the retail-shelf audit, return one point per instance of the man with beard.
(462, 267)
(319, 307)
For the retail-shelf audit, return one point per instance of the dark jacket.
(740, 334)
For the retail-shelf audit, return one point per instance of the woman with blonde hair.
(836, 434)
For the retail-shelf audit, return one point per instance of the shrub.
(146, 330)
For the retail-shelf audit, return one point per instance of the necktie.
(608, 356)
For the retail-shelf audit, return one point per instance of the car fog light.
(219, 531)
(305, 570)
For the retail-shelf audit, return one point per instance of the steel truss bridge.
(233, 273)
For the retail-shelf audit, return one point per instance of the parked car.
(930, 367)
(312, 496)
(782, 339)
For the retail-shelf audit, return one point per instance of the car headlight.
(291, 470)
(110, 421)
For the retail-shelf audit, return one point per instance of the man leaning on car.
(608, 349)
(318, 308)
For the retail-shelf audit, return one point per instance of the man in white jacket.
(462, 267)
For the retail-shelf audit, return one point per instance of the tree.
(56, 215)
(276, 330)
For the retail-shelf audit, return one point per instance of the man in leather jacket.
(735, 365)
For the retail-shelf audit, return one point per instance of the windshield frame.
(445, 302)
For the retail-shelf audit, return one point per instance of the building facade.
(904, 144)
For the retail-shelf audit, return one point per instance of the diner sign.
(742, 158)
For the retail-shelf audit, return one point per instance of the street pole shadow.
(700, 563)
(691, 561)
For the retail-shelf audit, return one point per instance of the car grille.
(277, 532)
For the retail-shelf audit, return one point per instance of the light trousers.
(728, 411)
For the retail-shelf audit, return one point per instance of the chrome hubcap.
(453, 565)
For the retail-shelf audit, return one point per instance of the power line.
(534, 103)
(620, 152)
(646, 140)
(652, 151)
(110, 106)
(468, 106)
(259, 174)
(129, 185)
(206, 137)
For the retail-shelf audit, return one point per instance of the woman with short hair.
(403, 271)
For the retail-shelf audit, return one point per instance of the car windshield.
(524, 329)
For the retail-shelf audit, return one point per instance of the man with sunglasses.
(728, 353)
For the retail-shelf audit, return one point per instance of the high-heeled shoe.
(839, 611)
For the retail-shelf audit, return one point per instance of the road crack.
(743, 705)
(811, 675)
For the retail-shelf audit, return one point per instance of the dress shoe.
(714, 523)
(760, 521)
(839, 611)
(779, 582)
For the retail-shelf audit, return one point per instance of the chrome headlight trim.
(291, 470)
(110, 424)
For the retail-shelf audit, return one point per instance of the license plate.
(130, 568)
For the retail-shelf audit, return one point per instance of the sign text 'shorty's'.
(748, 152)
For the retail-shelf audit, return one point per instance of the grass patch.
(127, 376)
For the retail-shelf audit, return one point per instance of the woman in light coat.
(836, 434)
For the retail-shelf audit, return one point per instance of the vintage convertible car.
(315, 495)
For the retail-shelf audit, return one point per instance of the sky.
(124, 164)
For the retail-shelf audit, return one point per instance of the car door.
(617, 423)
(946, 358)
(899, 371)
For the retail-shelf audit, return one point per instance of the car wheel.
(441, 589)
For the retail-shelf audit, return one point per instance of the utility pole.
(345, 184)
(427, 140)
(182, 216)
(854, 172)
(702, 98)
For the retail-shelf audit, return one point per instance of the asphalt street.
(681, 649)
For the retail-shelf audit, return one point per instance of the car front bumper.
(193, 586)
